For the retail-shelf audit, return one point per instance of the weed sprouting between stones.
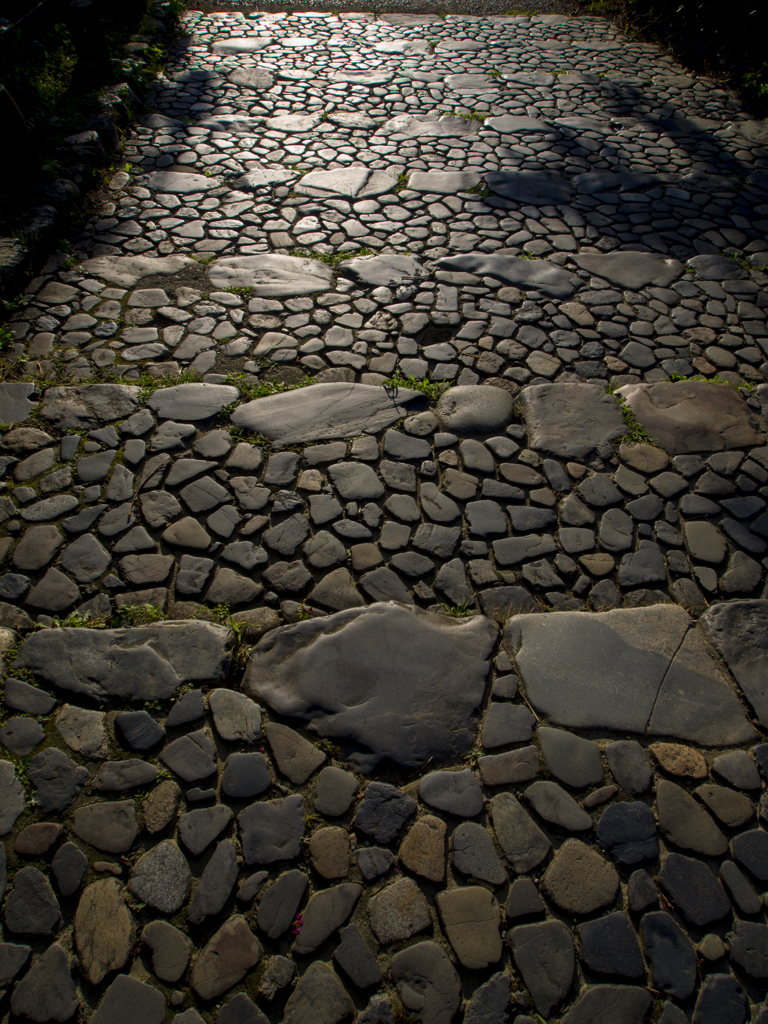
(432, 390)
(333, 259)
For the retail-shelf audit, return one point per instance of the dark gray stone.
(326, 911)
(47, 992)
(632, 270)
(456, 793)
(192, 757)
(610, 1004)
(280, 902)
(544, 956)
(21, 696)
(474, 855)
(318, 997)
(739, 630)
(579, 880)
(334, 792)
(216, 883)
(383, 811)
(750, 849)
(170, 950)
(245, 775)
(141, 663)
(524, 900)
(140, 730)
(630, 765)
(188, 708)
(226, 959)
(571, 759)
(748, 947)
(628, 832)
(506, 723)
(296, 670)
(122, 775)
(373, 862)
(571, 421)
(272, 830)
(21, 735)
(557, 807)
(161, 878)
(472, 410)
(685, 823)
(427, 982)
(69, 864)
(671, 956)
(610, 946)
(641, 891)
(240, 1010)
(721, 1000)
(522, 842)
(741, 892)
(489, 1002)
(31, 907)
(198, 829)
(12, 959)
(128, 1000)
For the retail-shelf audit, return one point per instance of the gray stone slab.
(89, 406)
(355, 181)
(443, 182)
(180, 182)
(141, 663)
(126, 271)
(265, 176)
(610, 1004)
(271, 275)
(324, 411)
(14, 402)
(192, 402)
(385, 270)
(342, 675)
(545, 957)
(692, 416)
(633, 670)
(534, 275)
(739, 630)
(511, 124)
(571, 421)
(427, 982)
(429, 126)
(633, 270)
(537, 188)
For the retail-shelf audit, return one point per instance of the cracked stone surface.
(383, 542)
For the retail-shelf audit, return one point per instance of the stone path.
(287, 731)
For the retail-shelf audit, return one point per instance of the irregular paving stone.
(456, 793)
(571, 759)
(122, 775)
(323, 411)
(489, 1002)
(748, 947)
(692, 417)
(556, 806)
(629, 765)
(355, 959)
(192, 757)
(721, 1000)
(571, 421)
(750, 849)
(641, 891)
(69, 864)
(474, 855)
(671, 956)
(633, 270)
(628, 832)
(296, 757)
(374, 862)
(13, 802)
(318, 997)
(685, 823)
(47, 992)
(383, 811)
(382, 710)
(329, 852)
(471, 918)
(278, 905)
(198, 829)
(579, 880)
(522, 842)
(738, 768)
(31, 907)
(105, 932)
(732, 809)
(107, 826)
(237, 719)
(427, 982)
(423, 849)
(128, 1000)
(739, 630)
(610, 1004)
(191, 402)
(272, 830)
(161, 878)
(544, 956)
(142, 663)
(170, 950)
(245, 775)
(21, 696)
(610, 946)
(83, 731)
(88, 407)
(334, 791)
(642, 668)
(693, 889)
(216, 883)
(160, 806)
(398, 912)
(227, 957)
(56, 777)
(678, 760)
(21, 735)
(468, 410)
(325, 912)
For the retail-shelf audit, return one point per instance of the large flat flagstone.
(443, 182)
(242, 44)
(399, 684)
(271, 276)
(88, 406)
(540, 188)
(739, 631)
(641, 670)
(471, 84)
(692, 416)
(323, 411)
(192, 402)
(142, 663)
(429, 126)
(536, 275)
(14, 402)
(265, 174)
(126, 271)
(180, 181)
(512, 124)
(633, 270)
(383, 270)
(571, 421)
(258, 79)
(354, 181)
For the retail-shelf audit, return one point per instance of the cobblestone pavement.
(287, 731)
